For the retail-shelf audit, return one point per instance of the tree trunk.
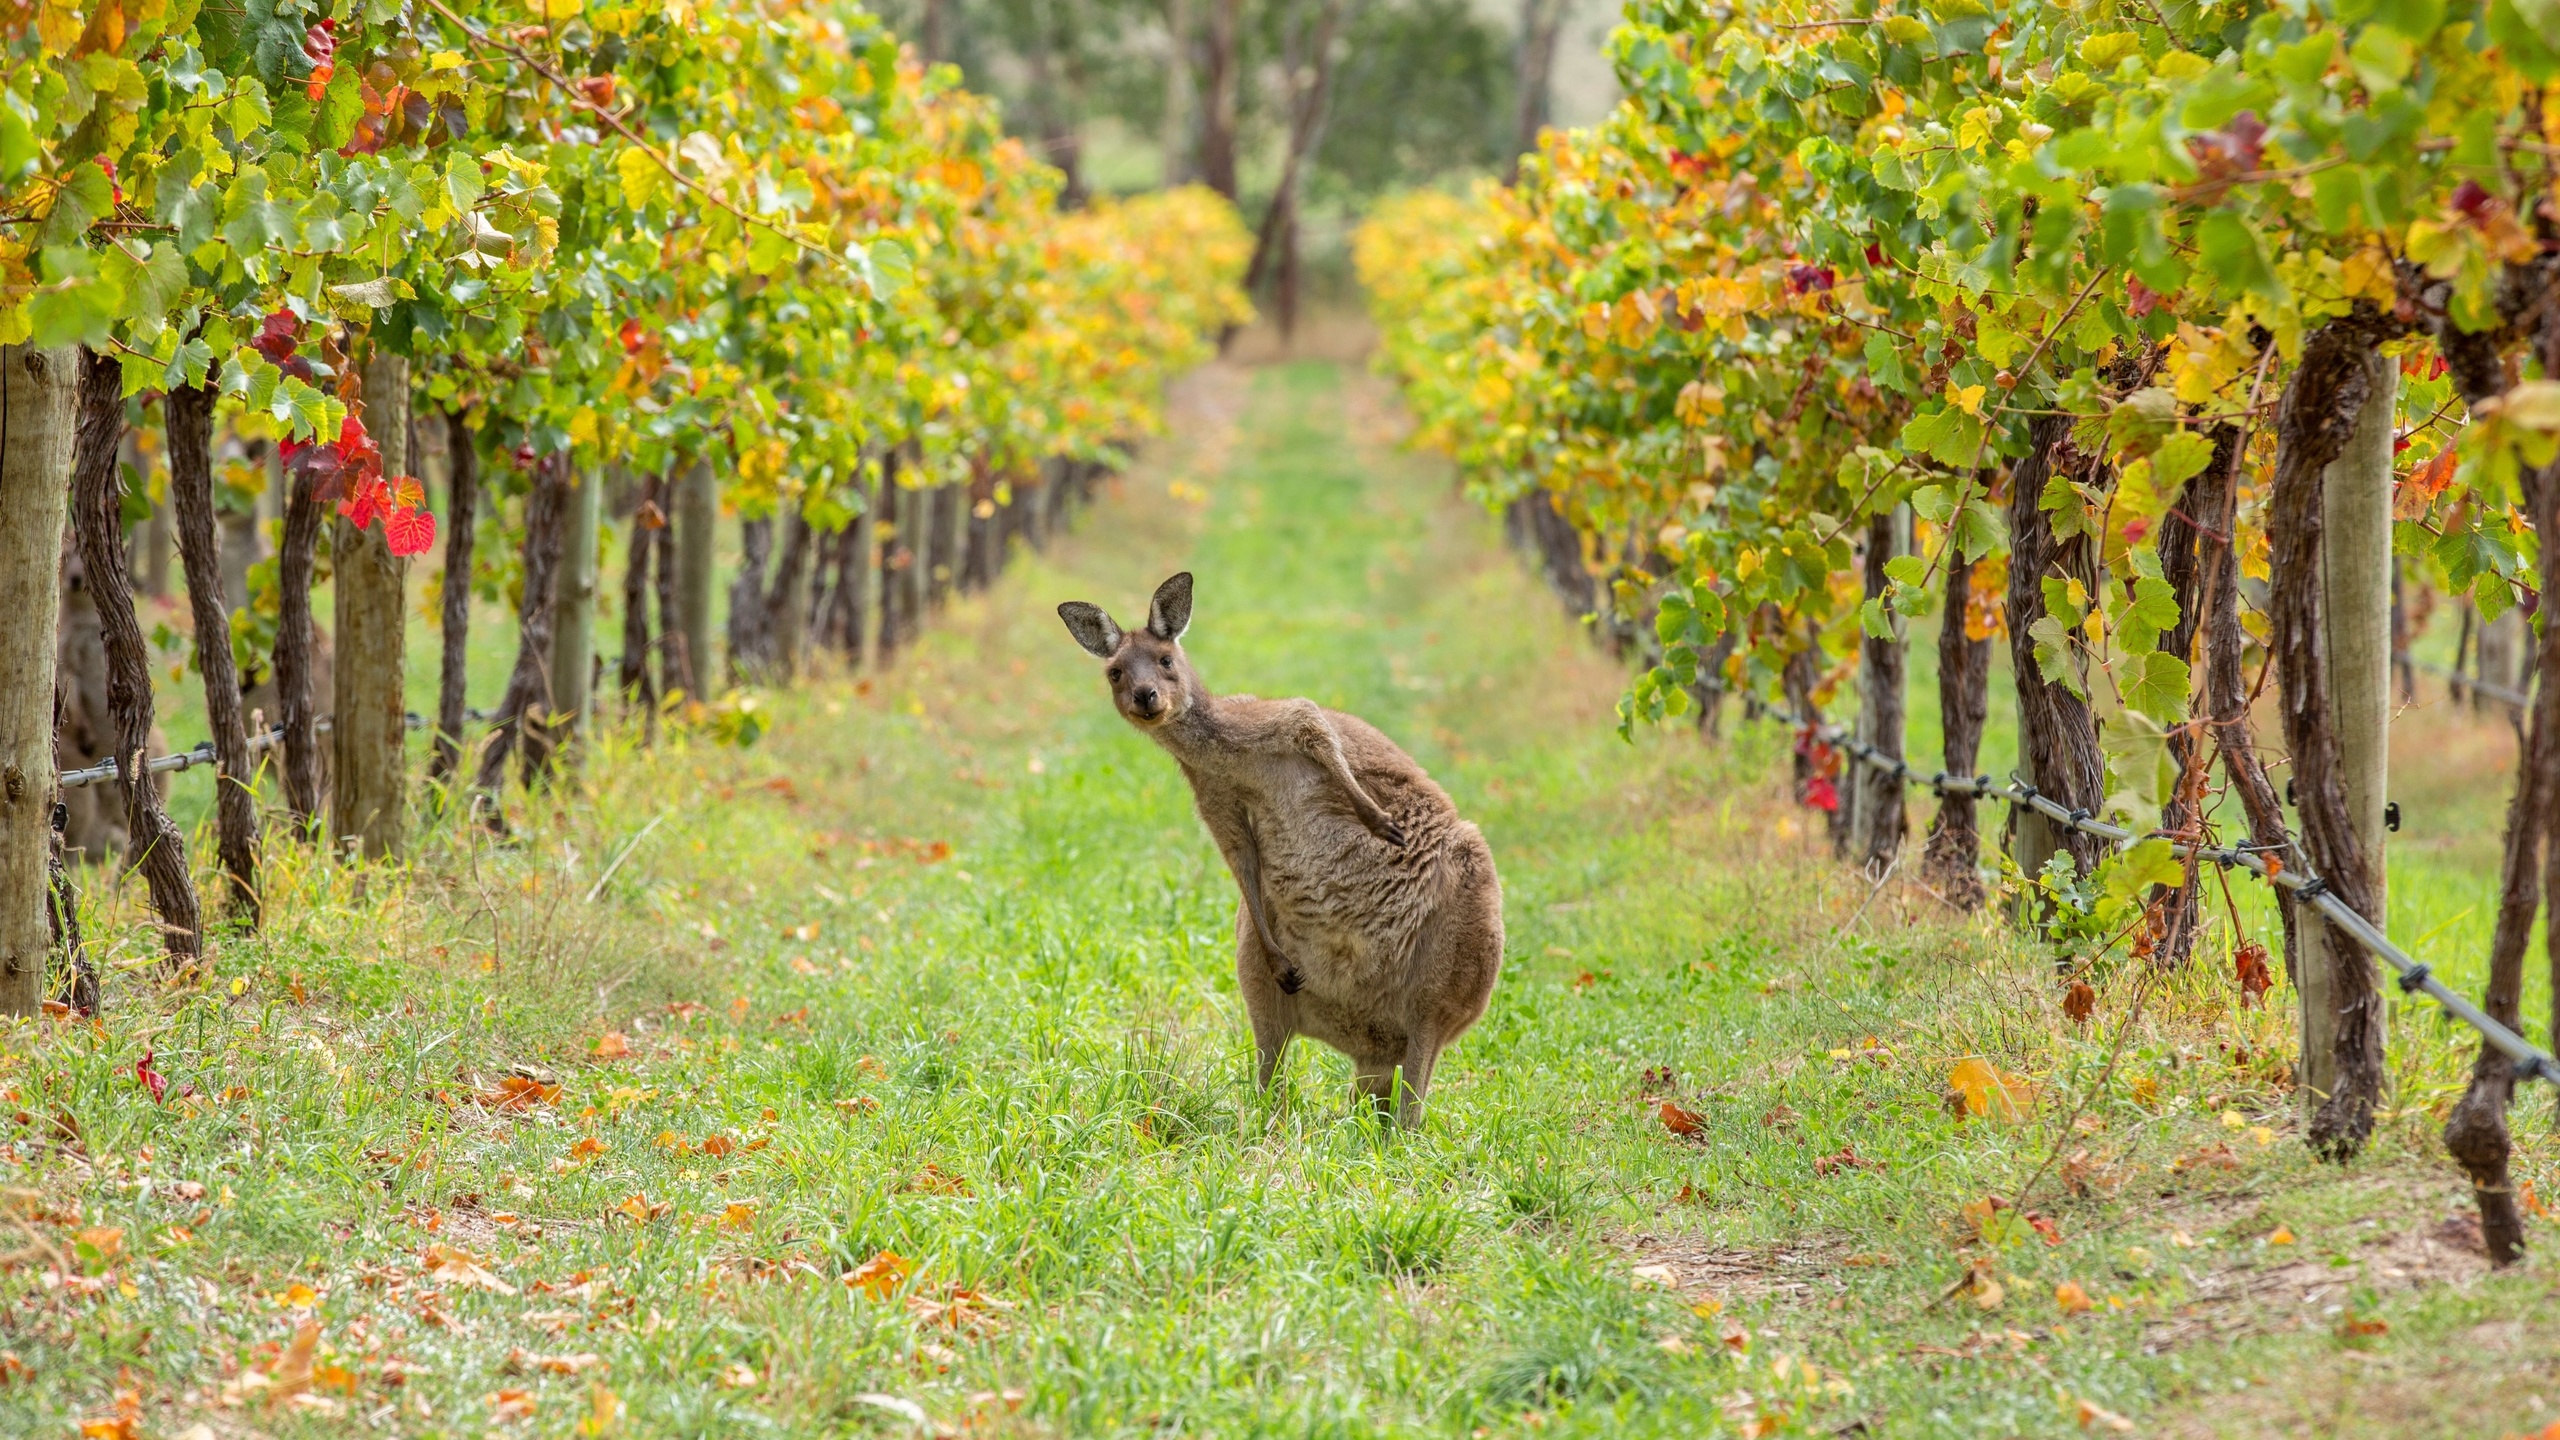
(1307, 104)
(697, 523)
(787, 608)
(1881, 818)
(188, 414)
(2461, 652)
(529, 686)
(573, 621)
(749, 656)
(155, 848)
(948, 502)
(296, 692)
(933, 32)
(368, 794)
(2213, 499)
(157, 542)
(919, 507)
(2323, 411)
(2476, 1132)
(892, 561)
(1533, 62)
(1175, 135)
(849, 604)
(39, 392)
(2178, 907)
(1951, 860)
(648, 525)
(2058, 736)
(1219, 85)
(462, 504)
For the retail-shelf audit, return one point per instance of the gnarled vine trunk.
(462, 504)
(1881, 818)
(2058, 739)
(529, 686)
(188, 412)
(1951, 858)
(97, 498)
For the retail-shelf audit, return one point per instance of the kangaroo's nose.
(1147, 697)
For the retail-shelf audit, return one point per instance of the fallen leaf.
(587, 1147)
(510, 1404)
(1664, 1276)
(292, 1372)
(2070, 1299)
(2281, 1235)
(518, 1092)
(1874, 1259)
(603, 1406)
(642, 1210)
(1779, 1117)
(610, 1046)
(717, 1145)
(858, 1105)
(1991, 1091)
(2358, 1326)
(740, 1376)
(453, 1265)
(738, 1215)
(298, 1296)
(880, 1276)
(1679, 1121)
(2094, 1416)
(524, 1361)
(1847, 1159)
(1673, 1345)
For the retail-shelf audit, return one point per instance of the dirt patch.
(2267, 1287)
(1793, 1270)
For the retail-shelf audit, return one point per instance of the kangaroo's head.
(1151, 680)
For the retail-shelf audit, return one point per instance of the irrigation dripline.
(2415, 976)
(203, 753)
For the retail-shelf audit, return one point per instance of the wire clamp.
(2414, 979)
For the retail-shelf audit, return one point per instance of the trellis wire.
(2490, 688)
(203, 754)
(2415, 976)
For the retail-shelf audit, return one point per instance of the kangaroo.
(1372, 919)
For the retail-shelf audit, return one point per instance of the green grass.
(1022, 1068)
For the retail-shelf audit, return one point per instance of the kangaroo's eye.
(1112, 674)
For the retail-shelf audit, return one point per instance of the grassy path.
(900, 1074)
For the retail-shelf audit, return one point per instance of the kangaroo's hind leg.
(1272, 1013)
(1414, 1083)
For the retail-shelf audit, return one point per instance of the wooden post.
(2355, 583)
(787, 607)
(573, 625)
(368, 795)
(38, 392)
(697, 520)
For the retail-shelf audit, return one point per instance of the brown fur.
(1371, 916)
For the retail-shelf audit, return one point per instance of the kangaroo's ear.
(1093, 629)
(1169, 614)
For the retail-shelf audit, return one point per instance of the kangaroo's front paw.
(1387, 830)
(1291, 982)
